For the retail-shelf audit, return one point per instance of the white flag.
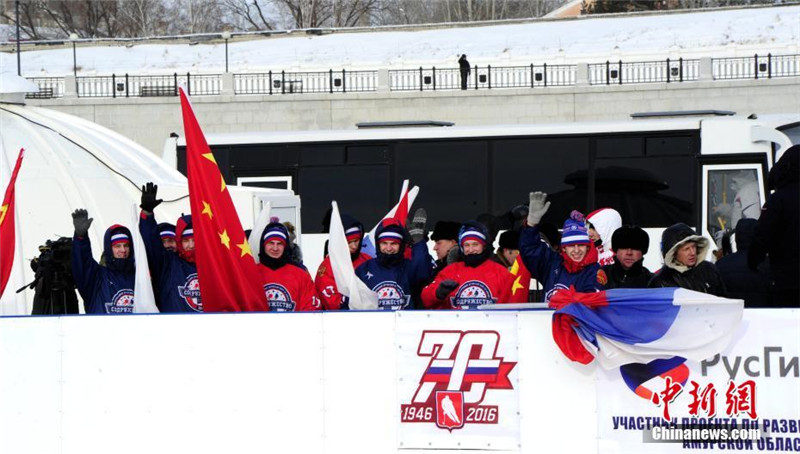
(143, 300)
(348, 284)
(255, 235)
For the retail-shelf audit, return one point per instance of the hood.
(605, 221)
(674, 237)
(184, 223)
(745, 233)
(786, 170)
(108, 256)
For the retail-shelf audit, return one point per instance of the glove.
(453, 255)
(519, 213)
(419, 224)
(149, 201)
(444, 288)
(537, 207)
(81, 221)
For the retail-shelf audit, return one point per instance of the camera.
(54, 285)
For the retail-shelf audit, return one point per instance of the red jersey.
(326, 284)
(289, 289)
(486, 283)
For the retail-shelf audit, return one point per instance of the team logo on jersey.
(190, 292)
(463, 366)
(121, 302)
(472, 294)
(553, 291)
(391, 296)
(278, 298)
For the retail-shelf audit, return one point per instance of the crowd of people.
(590, 253)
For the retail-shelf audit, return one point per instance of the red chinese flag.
(229, 279)
(522, 282)
(7, 230)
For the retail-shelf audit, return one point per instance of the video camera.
(53, 285)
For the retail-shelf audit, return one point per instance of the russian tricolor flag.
(650, 332)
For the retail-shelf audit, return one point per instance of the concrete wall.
(149, 121)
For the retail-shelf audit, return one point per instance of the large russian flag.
(650, 332)
(622, 326)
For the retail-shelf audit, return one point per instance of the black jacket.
(778, 229)
(636, 277)
(703, 277)
(741, 281)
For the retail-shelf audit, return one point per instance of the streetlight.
(226, 35)
(74, 37)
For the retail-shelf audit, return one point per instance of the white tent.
(73, 163)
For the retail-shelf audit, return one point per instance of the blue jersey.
(175, 282)
(394, 284)
(104, 289)
(547, 266)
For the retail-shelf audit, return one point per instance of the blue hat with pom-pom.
(575, 231)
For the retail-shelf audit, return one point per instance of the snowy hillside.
(689, 35)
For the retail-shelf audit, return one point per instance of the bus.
(655, 169)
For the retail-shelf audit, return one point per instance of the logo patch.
(602, 279)
(463, 366)
(472, 294)
(391, 296)
(278, 298)
(190, 292)
(121, 302)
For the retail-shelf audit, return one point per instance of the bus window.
(731, 192)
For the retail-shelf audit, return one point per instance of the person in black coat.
(741, 281)
(630, 244)
(464, 68)
(777, 230)
(684, 262)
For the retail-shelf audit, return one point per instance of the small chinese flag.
(229, 277)
(7, 227)
(522, 282)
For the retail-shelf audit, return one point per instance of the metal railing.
(305, 82)
(49, 87)
(641, 72)
(756, 67)
(429, 79)
(126, 86)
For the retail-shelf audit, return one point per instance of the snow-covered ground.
(741, 32)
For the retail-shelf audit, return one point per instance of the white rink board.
(286, 382)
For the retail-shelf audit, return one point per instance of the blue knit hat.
(575, 231)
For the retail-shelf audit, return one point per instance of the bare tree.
(253, 13)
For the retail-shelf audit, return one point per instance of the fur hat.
(445, 230)
(509, 239)
(630, 237)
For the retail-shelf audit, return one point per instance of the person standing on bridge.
(464, 68)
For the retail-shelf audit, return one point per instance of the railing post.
(608, 72)
(270, 81)
(228, 87)
(706, 69)
(769, 65)
(668, 69)
(544, 74)
(175, 83)
(70, 86)
(619, 72)
(489, 75)
(344, 84)
(283, 82)
(330, 79)
(756, 66)
(680, 68)
(127, 89)
(420, 78)
(531, 75)
(434, 78)
(384, 81)
(113, 85)
(476, 77)
(188, 84)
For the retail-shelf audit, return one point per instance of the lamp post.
(16, 19)
(226, 35)
(74, 37)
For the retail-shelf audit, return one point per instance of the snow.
(721, 33)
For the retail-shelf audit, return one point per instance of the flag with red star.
(7, 227)
(522, 282)
(229, 277)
